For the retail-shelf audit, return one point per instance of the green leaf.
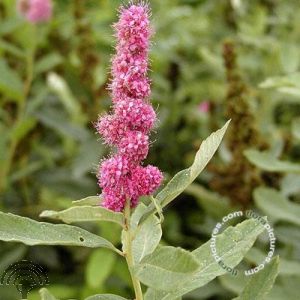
(290, 184)
(185, 177)
(289, 235)
(46, 295)
(11, 255)
(85, 214)
(10, 24)
(232, 245)
(289, 57)
(57, 120)
(14, 228)
(276, 205)
(267, 162)
(286, 267)
(152, 294)
(10, 83)
(22, 128)
(147, 235)
(88, 201)
(296, 128)
(88, 155)
(234, 284)
(59, 85)
(12, 49)
(48, 62)
(105, 297)
(214, 204)
(212, 290)
(61, 291)
(165, 268)
(261, 283)
(286, 288)
(288, 84)
(99, 267)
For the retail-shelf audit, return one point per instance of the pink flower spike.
(121, 177)
(35, 11)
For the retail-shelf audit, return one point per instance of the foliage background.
(53, 81)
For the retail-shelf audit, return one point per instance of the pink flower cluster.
(122, 176)
(35, 11)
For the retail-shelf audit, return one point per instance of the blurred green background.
(241, 58)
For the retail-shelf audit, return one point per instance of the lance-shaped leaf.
(185, 177)
(152, 294)
(147, 236)
(95, 276)
(14, 228)
(165, 268)
(46, 295)
(286, 267)
(267, 162)
(105, 297)
(261, 283)
(85, 214)
(10, 82)
(88, 201)
(231, 245)
(276, 205)
(288, 84)
(296, 128)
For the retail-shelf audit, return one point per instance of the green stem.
(128, 253)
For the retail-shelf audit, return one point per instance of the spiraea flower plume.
(123, 176)
(35, 11)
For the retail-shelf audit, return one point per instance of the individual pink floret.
(136, 114)
(134, 146)
(113, 200)
(111, 128)
(113, 171)
(148, 179)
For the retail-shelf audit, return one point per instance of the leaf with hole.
(14, 228)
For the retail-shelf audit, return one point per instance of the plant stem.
(128, 252)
